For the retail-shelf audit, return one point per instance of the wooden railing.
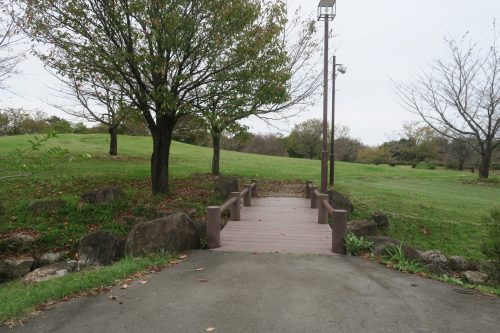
(234, 205)
(339, 217)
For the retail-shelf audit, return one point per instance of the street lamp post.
(342, 70)
(326, 12)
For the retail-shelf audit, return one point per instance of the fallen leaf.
(113, 298)
(211, 329)
(124, 286)
(200, 269)
(203, 280)
(143, 282)
(183, 257)
(174, 262)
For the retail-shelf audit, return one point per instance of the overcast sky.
(379, 41)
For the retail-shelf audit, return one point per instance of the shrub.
(355, 246)
(397, 260)
(491, 247)
(425, 165)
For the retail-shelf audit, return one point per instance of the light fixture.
(327, 9)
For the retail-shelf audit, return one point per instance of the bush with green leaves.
(355, 246)
(396, 259)
(491, 247)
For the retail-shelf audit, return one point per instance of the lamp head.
(327, 9)
(342, 69)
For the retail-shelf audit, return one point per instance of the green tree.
(160, 54)
(305, 140)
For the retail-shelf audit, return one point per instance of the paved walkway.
(285, 225)
(247, 292)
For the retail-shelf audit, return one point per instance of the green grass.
(19, 300)
(429, 209)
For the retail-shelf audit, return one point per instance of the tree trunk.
(113, 143)
(484, 170)
(162, 138)
(461, 163)
(216, 154)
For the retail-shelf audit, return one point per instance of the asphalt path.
(245, 292)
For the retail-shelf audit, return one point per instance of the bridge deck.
(285, 225)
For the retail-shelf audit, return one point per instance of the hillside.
(431, 209)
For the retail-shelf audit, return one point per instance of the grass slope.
(430, 209)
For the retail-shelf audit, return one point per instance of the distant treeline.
(417, 145)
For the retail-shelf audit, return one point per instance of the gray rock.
(362, 228)
(459, 264)
(51, 258)
(20, 241)
(98, 249)
(224, 185)
(435, 258)
(72, 265)
(45, 206)
(475, 277)
(340, 201)
(14, 268)
(381, 220)
(103, 195)
(173, 233)
(382, 245)
(47, 273)
(435, 269)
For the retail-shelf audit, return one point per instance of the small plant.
(425, 165)
(396, 259)
(355, 246)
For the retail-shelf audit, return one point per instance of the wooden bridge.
(275, 224)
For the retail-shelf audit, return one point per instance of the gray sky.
(377, 40)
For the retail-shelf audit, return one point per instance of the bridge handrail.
(339, 216)
(234, 205)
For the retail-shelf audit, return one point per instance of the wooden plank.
(286, 225)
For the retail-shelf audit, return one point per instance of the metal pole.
(332, 137)
(324, 153)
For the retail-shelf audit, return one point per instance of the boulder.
(340, 201)
(459, 264)
(435, 258)
(224, 185)
(50, 258)
(47, 273)
(19, 241)
(103, 195)
(381, 220)
(475, 277)
(435, 269)
(45, 206)
(362, 228)
(174, 233)
(98, 249)
(382, 245)
(16, 267)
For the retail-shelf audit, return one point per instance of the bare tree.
(460, 96)
(9, 38)
(100, 102)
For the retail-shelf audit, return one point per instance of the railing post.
(255, 192)
(235, 207)
(322, 212)
(339, 231)
(308, 189)
(213, 227)
(314, 199)
(247, 199)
